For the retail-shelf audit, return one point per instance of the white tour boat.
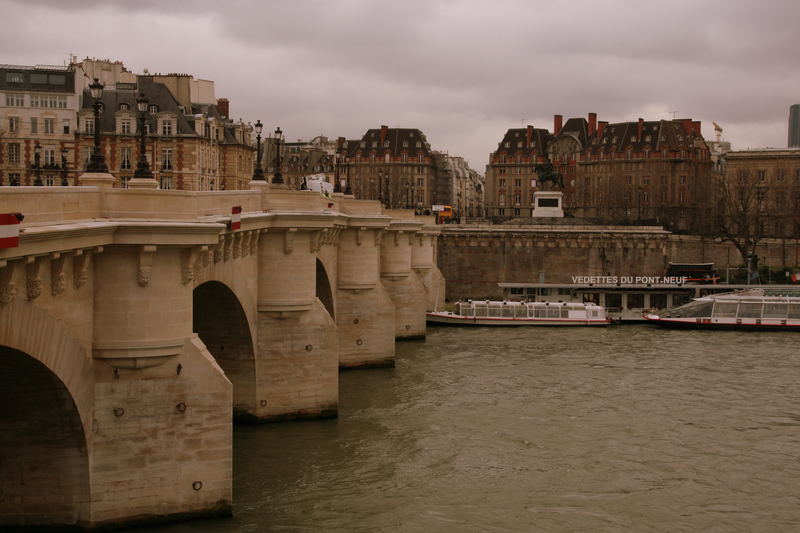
(762, 308)
(508, 313)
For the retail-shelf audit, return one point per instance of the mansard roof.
(525, 141)
(157, 94)
(656, 135)
(392, 141)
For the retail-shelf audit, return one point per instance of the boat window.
(725, 309)
(591, 297)
(680, 299)
(481, 310)
(658, 301)
(520, 311)
(564, 312)
(613, 301)
(794, 310)
(700, 308)
(553, 312)
(750, 309)
(508, 311)
(775, 310)
(635, 300)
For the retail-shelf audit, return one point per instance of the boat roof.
(640, 286)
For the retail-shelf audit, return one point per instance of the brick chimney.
(592, 123)
(528, 135)
(696, 126)
(600, 127)
(557, 122)
(639, 129)
(224, 107)
(384, 131)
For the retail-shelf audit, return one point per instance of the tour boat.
(761, 309)
(508, 313)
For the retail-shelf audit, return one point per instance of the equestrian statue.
(548, 174)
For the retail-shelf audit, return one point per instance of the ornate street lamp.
(258, 172)
(64, 181)
(142, 166)
(277, 177)
(37, 167)
(97, 161)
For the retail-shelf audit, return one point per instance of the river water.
(626, 428)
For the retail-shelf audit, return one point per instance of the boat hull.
(721, 324)
(449, 319)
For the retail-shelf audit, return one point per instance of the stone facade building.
(774, 176)
(38, 116)
(643, 172)
(393, 165)
(300, 159)
(190, 145)
(459, 186)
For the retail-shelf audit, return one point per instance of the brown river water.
(626, 428)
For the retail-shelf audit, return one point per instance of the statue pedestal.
(104, 180)
(548, 204)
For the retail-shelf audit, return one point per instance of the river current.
(626, 428)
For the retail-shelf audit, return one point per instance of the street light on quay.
(64, 180)
(258, 172)
(37, 164)
(142, 166)
(97, 162)
(278, 177)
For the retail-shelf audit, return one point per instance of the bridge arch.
(44, 474)
(324, 290)
(220, 321)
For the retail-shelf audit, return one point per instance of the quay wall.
(474, 259)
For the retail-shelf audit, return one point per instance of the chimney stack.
(600, 127)
(639, 129)
(592, 123)
(557, 121)
(696, 126)
(528, 135)
(224, 107)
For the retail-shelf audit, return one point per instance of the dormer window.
(386, 144)
(419, 144)
(153, 109)
(633, 138)
(124, 107)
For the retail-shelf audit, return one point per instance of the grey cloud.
(463, 71)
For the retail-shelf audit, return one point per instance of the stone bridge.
(136, 324)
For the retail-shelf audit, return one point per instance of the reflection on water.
(539, 429)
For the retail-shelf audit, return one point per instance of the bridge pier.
(403, 286)
(365, 312)
(161, 402)
(297, 344)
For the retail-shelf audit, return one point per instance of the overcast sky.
(461, 71)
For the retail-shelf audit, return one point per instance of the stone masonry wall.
(474, 260)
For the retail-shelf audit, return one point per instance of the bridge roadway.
(135, 324)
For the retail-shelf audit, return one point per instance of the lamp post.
(337, 185)
(64, 181)
(278, 177)
(142, 166)
(258, 173)
(97, 162)
(37, 166)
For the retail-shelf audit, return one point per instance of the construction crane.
(717, 130)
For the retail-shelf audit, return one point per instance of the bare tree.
(741, 215)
